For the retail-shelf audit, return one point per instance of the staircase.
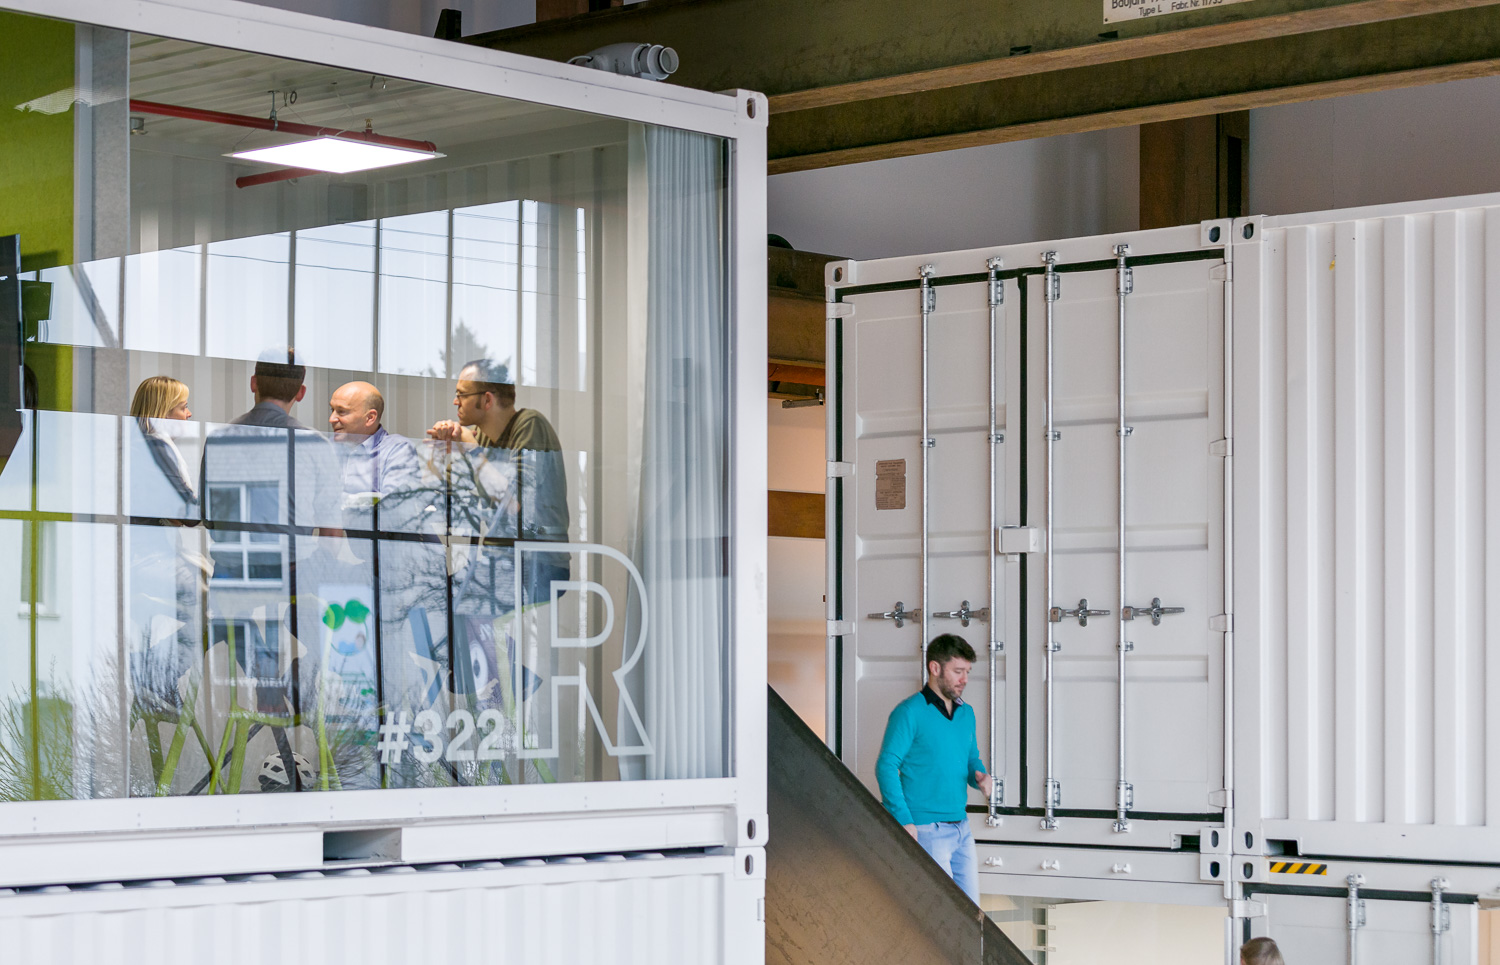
(845, 884)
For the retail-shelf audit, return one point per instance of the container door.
(1174, 530)
(1367, 363)
(875, 429)
(1316, 929)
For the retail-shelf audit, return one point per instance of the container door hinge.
(840, 628)
(1248, 909)
(838, 470)
(1223, 448)
(1222, 798)
(760, 909)
(840, 309)
(1224, 272)
(1223, 623)
(1015, 540)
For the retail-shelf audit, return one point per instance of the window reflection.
(293, 575)
(414, 293)
(247, 295)
(162, 301)
(335, 281)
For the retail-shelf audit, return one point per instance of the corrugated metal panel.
(1368, 520)
(643, 912)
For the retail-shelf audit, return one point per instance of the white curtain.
(680, 546)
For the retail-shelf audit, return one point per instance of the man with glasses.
(516, 470)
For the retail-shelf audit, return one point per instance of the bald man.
(379, 463)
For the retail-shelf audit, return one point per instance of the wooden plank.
(1239, 101)
(1114, 51)
(797, 374)
(797, 515)
(796, 328)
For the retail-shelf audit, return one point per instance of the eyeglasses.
(465, 395)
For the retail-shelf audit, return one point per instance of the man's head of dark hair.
(946, 647)
(490, 376)
(279, 379)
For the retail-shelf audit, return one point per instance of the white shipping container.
(1310, 426)
(646, 908)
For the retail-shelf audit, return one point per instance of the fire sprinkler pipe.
(267, 124)
(272, 124)
(280, 174)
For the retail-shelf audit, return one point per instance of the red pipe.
(270, 177)
(266, 124)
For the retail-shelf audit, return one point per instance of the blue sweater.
(927, 761)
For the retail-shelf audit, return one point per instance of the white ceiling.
(194, 75)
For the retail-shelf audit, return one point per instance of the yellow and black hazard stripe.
(1298, 868)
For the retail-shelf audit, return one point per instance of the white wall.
(1438, 141)
(1055, 187)
(1121, 933)
(416, 16)
(796, 641)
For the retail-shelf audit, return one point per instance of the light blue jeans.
(951, 845)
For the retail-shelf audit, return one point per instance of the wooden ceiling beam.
(1114, 51)
(863, 80)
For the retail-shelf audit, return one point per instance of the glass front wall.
(410, 477)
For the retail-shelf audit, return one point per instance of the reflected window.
(246, 555)
(39, 566)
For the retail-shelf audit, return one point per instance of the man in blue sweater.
(929, 759)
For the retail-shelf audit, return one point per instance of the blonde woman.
(159, 401)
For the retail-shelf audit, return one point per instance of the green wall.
(36, 162)
(36, 169)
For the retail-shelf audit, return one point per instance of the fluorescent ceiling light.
(337, 155)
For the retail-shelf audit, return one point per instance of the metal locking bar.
(900, 614)
(1124, 792)
(1155, 611)
(994, 439)
(1052, 791)
(1441, 919)
(929, 305)
(1081, 613)
(1354, 915)
(964, 614)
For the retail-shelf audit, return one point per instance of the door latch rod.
(963, 614)
(900, 614)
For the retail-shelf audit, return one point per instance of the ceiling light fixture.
(336, 155)
(405, 150)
